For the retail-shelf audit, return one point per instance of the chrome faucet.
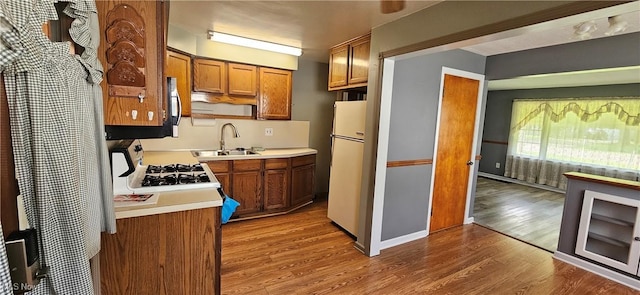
(235, 134)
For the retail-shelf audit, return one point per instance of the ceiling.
(316, 26)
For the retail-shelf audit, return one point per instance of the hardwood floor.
(303, 253)
(523, 212)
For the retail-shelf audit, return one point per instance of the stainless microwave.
(168, 128)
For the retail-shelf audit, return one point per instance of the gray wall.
(602, 53)
(414, 108)
(498, 115)
(312, 102)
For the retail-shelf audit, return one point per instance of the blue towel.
(228, 207)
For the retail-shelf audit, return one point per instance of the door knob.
(637, 238)
(469, 163)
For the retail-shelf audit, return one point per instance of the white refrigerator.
(346, 164)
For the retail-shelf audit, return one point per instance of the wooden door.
(8, 184)
(338, 66)
(179, 66)
(454, 151)
(275, 188)
(302, 184)
(359, 61)
(209, 76)
(274, 101)
(247, 185)
(242, 79)
(276, 183)
(222, 171)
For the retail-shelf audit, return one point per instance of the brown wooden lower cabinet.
(170, 253)
(267, 186)
(302, 183)
(246, 189)
(276, 184)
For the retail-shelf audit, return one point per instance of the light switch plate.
(268, 131)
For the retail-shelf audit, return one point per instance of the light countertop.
(266, 154)
(174, 201)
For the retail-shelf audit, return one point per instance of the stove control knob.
(137, 148)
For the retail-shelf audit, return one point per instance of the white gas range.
(130, 176)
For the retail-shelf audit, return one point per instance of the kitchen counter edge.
(176, 201)
(266, 154)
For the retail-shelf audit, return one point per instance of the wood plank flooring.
(523, 212)
(303, 253)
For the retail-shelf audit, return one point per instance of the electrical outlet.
(497, 165)
(268, 131)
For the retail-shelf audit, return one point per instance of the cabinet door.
(276, 183)
(247, 190)
(242, 79)
(609, 226)
(338, 66)
(225, 182)
(209, 76)
(132, 52)
(179, 66)
(275, 94)
(359, 61)
(222, 171)
(302, 184)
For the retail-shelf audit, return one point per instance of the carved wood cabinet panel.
(132, 52)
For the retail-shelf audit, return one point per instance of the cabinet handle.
(637, 238)
(141, 97)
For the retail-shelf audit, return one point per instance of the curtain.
(57, 130)
(596, 135)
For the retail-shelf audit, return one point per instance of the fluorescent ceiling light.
(246, 42)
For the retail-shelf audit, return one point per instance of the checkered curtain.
(57, 129)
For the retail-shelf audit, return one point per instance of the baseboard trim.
(599, 270)
(516, 181)
(403, 239)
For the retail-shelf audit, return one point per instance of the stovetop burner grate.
(153, 169)
(173, 179)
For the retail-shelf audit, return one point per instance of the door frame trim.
(476, 132)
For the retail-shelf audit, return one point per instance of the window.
(600, 133)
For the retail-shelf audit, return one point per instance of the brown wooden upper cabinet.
(243, 79)
(349, 64)
(209, 76)
(338, 66)
(132, 53)
(179, 65)
(274, 102)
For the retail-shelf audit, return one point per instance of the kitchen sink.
(218, 153)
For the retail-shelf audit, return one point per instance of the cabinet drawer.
(276, 163)
(219, 166)
(247, 165)
(303, 160)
